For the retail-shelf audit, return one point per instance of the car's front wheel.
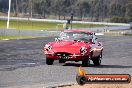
(86, 62)
(49, 61)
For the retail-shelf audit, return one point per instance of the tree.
(42, 7)
(129, 9)
(97, 10)
(82, 8)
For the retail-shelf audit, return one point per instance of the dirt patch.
(125, 85)
(3, 14)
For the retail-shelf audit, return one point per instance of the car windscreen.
(75, 36)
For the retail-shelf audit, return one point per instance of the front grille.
(63, 54)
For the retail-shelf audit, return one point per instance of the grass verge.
(119, 33)
(38, 25)
(18, 37)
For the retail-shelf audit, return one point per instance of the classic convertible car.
(74, 45)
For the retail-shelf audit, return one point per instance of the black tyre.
(101, 55)
(81, 80)
(86, 62)
(49, 61)
(97, 61)
(61, 61)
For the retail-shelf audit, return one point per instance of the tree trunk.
(16, 8)
(44, 14)
(64, 17)
(59, 16)
(13, 6)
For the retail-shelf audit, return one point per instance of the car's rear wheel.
(49, 61)
(97, 61)
(86, 62)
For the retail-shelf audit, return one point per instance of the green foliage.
(129, 19)
(129, 9)
(96, 10)
(117, 19)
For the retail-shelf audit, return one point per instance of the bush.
(117, 19)
(130, 19)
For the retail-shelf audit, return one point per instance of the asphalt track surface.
(22, 62)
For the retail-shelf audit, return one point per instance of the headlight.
(83, 50)
(48, 47)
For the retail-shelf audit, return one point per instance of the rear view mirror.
(56, 39)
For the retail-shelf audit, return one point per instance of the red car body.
(74, 45)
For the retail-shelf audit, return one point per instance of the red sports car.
(74, 45)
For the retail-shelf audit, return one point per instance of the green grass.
(30, 25)
(37, 25)
(77, 25)
(119, 33)
(112, 34)
(18, 37)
